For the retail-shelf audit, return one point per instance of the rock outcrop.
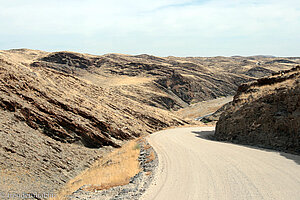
(265, 113)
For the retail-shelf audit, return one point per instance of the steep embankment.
(265, 113)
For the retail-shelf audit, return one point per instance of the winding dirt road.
(193, 167)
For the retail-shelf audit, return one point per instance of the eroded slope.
(265, 113)
(52, 123)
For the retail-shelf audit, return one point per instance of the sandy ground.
(194, 167)
(203, 108)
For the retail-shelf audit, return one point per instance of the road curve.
(192, 167)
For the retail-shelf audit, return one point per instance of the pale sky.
(157, 27)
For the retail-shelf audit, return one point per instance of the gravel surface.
(192, 167)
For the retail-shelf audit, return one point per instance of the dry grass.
(116, 81)
(113, 170)
(261, 91)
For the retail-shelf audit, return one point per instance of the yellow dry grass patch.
(113, 170)
(116, 80)
(261, 91)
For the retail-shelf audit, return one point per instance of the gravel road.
(194, 167)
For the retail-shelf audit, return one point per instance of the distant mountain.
(254, 56)
(263, 56)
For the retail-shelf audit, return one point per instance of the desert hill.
(52, 123)
(60, 111)
(169, 83)
(265, 112)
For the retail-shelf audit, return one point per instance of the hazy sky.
(158, 27)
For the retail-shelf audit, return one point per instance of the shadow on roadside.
(295, 158)
(209, 135)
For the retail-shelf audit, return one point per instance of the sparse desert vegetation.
(265, 113)
(115, 169)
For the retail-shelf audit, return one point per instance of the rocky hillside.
(53, 122)
(169, 83)
(266, 113)
(59, 111)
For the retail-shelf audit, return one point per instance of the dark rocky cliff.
(265, 113)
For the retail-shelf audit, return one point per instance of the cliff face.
(266, 113)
